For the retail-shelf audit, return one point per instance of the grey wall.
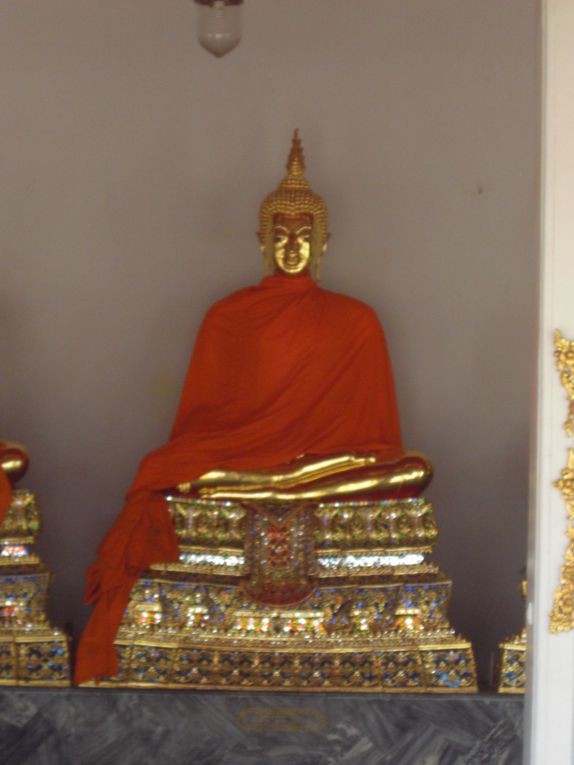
(132, 166)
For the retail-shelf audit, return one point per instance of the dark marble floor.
(127, 727)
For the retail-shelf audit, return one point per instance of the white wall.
(549, 729)
(132, 167)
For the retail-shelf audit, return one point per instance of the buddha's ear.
(325, 243)
(265, 248)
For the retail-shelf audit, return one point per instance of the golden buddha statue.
(293, 236)
(284, 473)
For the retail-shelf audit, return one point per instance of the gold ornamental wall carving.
(564, 355)
(562, 614)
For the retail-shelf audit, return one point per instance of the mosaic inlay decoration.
(32, 652)
(334, 596)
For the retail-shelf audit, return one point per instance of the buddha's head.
(293, 230)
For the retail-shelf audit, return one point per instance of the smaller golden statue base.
(511, 671)
(336, 596)
(32, 652)
(510, 675)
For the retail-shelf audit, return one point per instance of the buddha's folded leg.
(303, 470)
(409, 475)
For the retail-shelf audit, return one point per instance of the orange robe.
(5, 494)
(5, 487)
(278, 370)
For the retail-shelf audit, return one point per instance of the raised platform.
(128, 727)
(32, 651)
(511, 670)
(331, 596)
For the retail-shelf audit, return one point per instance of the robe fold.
(279, 370)
(5, 494)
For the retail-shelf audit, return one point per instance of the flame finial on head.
(293, 196)
(295, 161)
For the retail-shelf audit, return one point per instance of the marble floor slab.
(129, 727)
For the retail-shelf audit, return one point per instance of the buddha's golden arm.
(363, 479)
(307, 469)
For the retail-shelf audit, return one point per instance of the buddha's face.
(291, 242)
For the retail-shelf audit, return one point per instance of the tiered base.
(32, 652)
(40, 657)
(511, 664)
(393, 666)
(511, 674)
(373, 615)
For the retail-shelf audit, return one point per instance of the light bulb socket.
(219, 25)
(212, 2)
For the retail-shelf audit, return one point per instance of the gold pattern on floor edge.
(406, 669)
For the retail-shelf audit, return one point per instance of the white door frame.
(549, 724)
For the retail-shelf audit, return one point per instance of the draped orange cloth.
(278, 370)
(5, 494)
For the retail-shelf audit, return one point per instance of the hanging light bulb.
(219, 25)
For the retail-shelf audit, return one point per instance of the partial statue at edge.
(34, 652)
(14, 461)
(288, 403)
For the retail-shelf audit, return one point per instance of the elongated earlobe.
(266, 250)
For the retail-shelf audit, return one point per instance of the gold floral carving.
(562, 614)
(564, 355)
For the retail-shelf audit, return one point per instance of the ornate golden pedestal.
(32, 652)
(511, 672)
(511, 664)
(335, 596)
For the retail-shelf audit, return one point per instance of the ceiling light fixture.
(219, 25)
